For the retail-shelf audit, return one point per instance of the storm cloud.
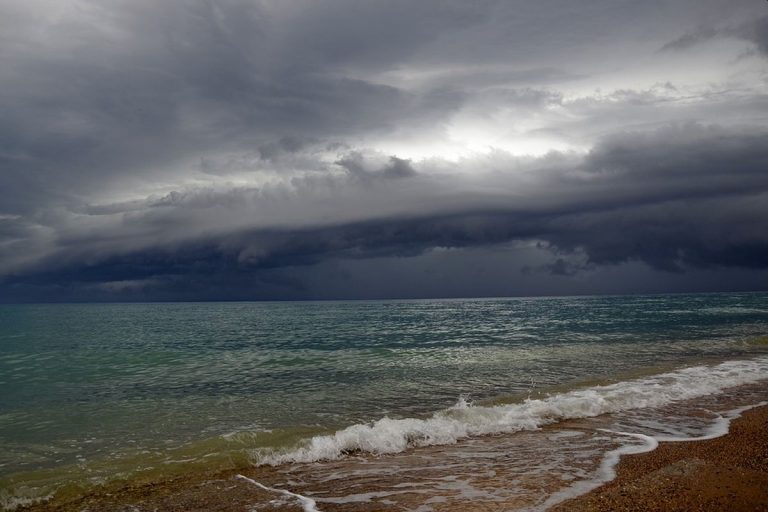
(281, 150)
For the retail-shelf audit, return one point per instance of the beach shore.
(728, 473)
(725, 473)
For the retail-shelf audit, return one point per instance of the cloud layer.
(244, 149)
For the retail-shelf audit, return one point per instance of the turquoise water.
(92, 382)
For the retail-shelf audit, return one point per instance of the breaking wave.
(463, 420)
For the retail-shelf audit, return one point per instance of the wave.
(738, 310)
(464, 420)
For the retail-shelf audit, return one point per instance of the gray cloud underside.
(755, 31)
(171, 143)
(684, 196)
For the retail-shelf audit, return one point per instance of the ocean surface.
(94, 393)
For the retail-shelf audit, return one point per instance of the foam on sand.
(607, 471)
(308, 504)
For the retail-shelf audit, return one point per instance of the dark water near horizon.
(109, 388)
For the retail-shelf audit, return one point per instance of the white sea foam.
(308, 504)
(718, 428)
(737, 310)
(389, 435)
(9, 501)
(607, 471)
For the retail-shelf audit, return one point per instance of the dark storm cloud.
(355, 164)
(168, 149)
(682, 197)
(754, 31)
(757, 32)
(690, 39)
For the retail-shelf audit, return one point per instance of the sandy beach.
(725, 473)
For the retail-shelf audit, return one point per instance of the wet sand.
(726, 473)
(729, 473)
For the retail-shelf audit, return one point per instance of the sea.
(398, 404)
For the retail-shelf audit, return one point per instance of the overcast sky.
(255, 149)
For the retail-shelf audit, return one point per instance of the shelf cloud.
(332, 149)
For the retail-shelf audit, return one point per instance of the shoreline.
(729, 472)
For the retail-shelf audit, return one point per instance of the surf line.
(308, 504)
(607, 469)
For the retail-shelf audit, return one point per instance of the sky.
(340, 149)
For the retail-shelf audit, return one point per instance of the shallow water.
(97, 391)
(529, 470)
